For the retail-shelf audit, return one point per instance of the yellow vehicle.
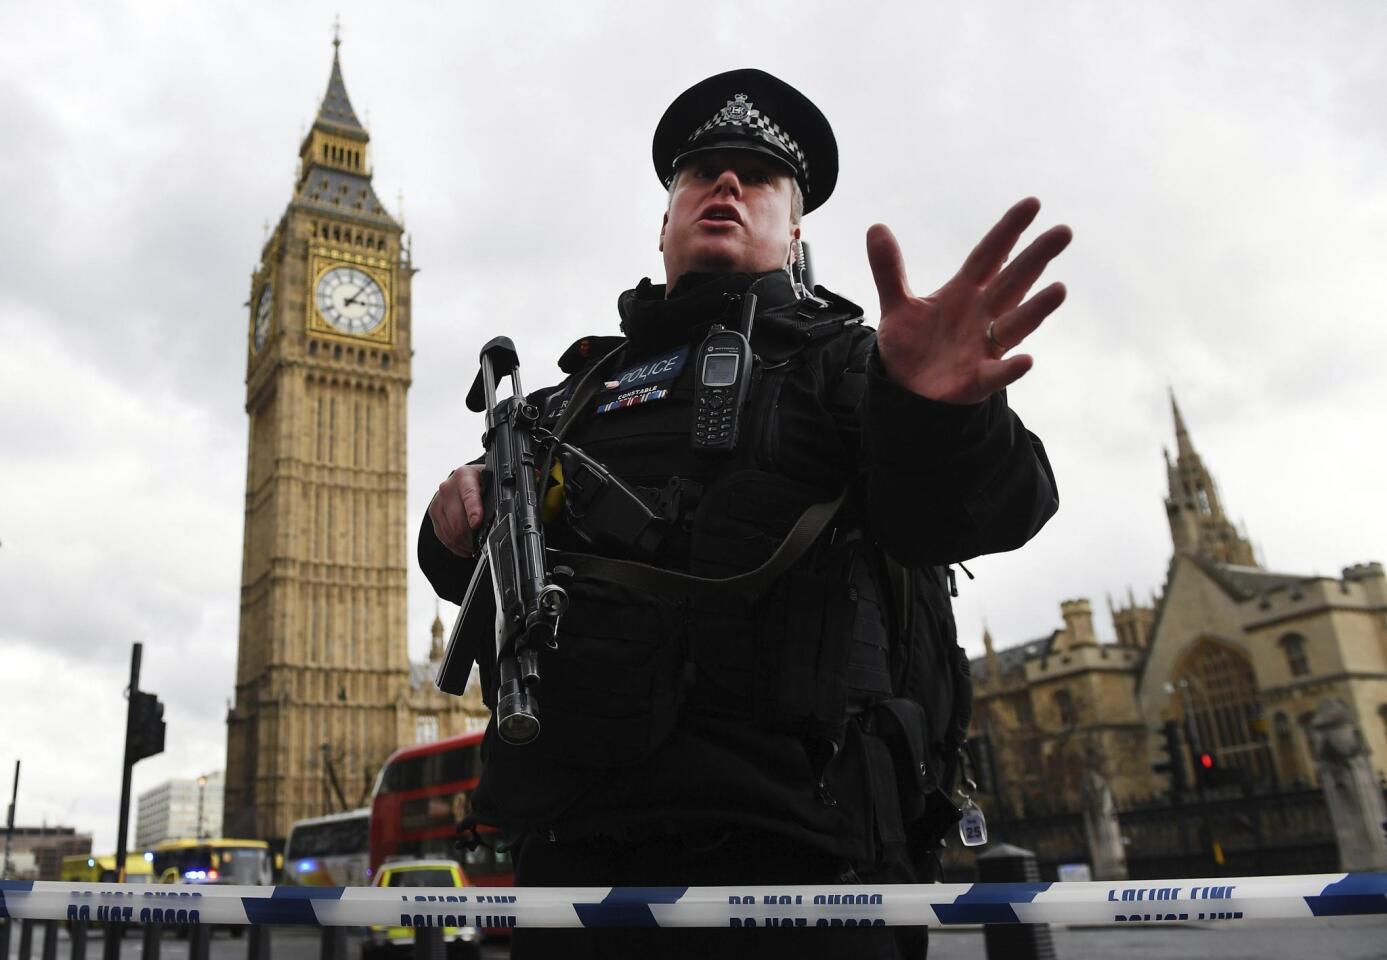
(84, 868)
(212, 860)
(462, 942)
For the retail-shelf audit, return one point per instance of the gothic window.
(1296, 659)
(1203, 496)
(1218, 691)
(1064, 706)
(425, 729)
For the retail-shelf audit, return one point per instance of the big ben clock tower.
(324, 687)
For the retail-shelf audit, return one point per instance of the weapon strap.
(587, 388)
(750, 585)
(657, 580)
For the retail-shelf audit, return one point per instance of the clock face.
(350, 300)
(262, 316)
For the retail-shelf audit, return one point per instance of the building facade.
(36, 853)
(174, 809)
(1238, 655)
(324, 687)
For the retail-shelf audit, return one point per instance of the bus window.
(213, 861)
(421, 794)
(329, 851)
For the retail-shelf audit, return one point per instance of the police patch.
(664, 367)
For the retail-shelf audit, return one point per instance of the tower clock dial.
(350, 300)
(262, 316)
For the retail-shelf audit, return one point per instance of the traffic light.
(1173, 765)
(1211, 772)
(146, 736)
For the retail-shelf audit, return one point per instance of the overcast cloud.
(1223, 167)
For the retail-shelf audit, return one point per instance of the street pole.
(9, 824)
(201, 789)
(126, 765)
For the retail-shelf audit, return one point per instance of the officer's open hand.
(938, 346)
(456, 509)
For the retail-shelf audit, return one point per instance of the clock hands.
(350, 301)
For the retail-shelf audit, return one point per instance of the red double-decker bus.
(421, 794)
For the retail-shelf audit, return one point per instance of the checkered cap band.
(740, 112)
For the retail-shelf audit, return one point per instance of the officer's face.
(729, 212)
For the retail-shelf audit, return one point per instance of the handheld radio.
(720, 387)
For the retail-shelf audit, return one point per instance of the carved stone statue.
(1102, 828)
(1353, 796)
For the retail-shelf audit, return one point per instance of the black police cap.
(750, 110)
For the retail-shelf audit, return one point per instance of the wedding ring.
(991, 336)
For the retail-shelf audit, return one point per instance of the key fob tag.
(972, 827)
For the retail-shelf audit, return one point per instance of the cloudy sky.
(1224, 167)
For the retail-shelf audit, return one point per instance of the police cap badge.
(750, 110)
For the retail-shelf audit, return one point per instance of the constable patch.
(629, 398)
(664, 367)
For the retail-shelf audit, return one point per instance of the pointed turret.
(336, 108)
(994, 674)
(436, 648)
(334, 167)
(1198, 524)
(1132, 623)
(1183, 445)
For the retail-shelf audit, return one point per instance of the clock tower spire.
(337, 140)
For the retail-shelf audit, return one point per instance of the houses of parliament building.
(1238, 655)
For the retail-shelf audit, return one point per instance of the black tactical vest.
(846, 652)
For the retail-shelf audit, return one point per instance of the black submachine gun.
(510, 571)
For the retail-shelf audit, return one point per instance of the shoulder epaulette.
(826, 313)
(586, 350)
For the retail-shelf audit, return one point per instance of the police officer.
(789, 711)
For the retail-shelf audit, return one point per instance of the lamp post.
(201, 789)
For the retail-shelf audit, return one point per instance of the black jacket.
(933, 484)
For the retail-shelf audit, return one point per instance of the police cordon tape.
(935, 905)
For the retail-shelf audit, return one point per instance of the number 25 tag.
(972, 829)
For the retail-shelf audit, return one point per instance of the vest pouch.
(903, 726)
(800, 673)
(743, 517)
(911, 811)
(609, 695)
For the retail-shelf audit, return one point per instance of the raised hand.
(951, 345)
